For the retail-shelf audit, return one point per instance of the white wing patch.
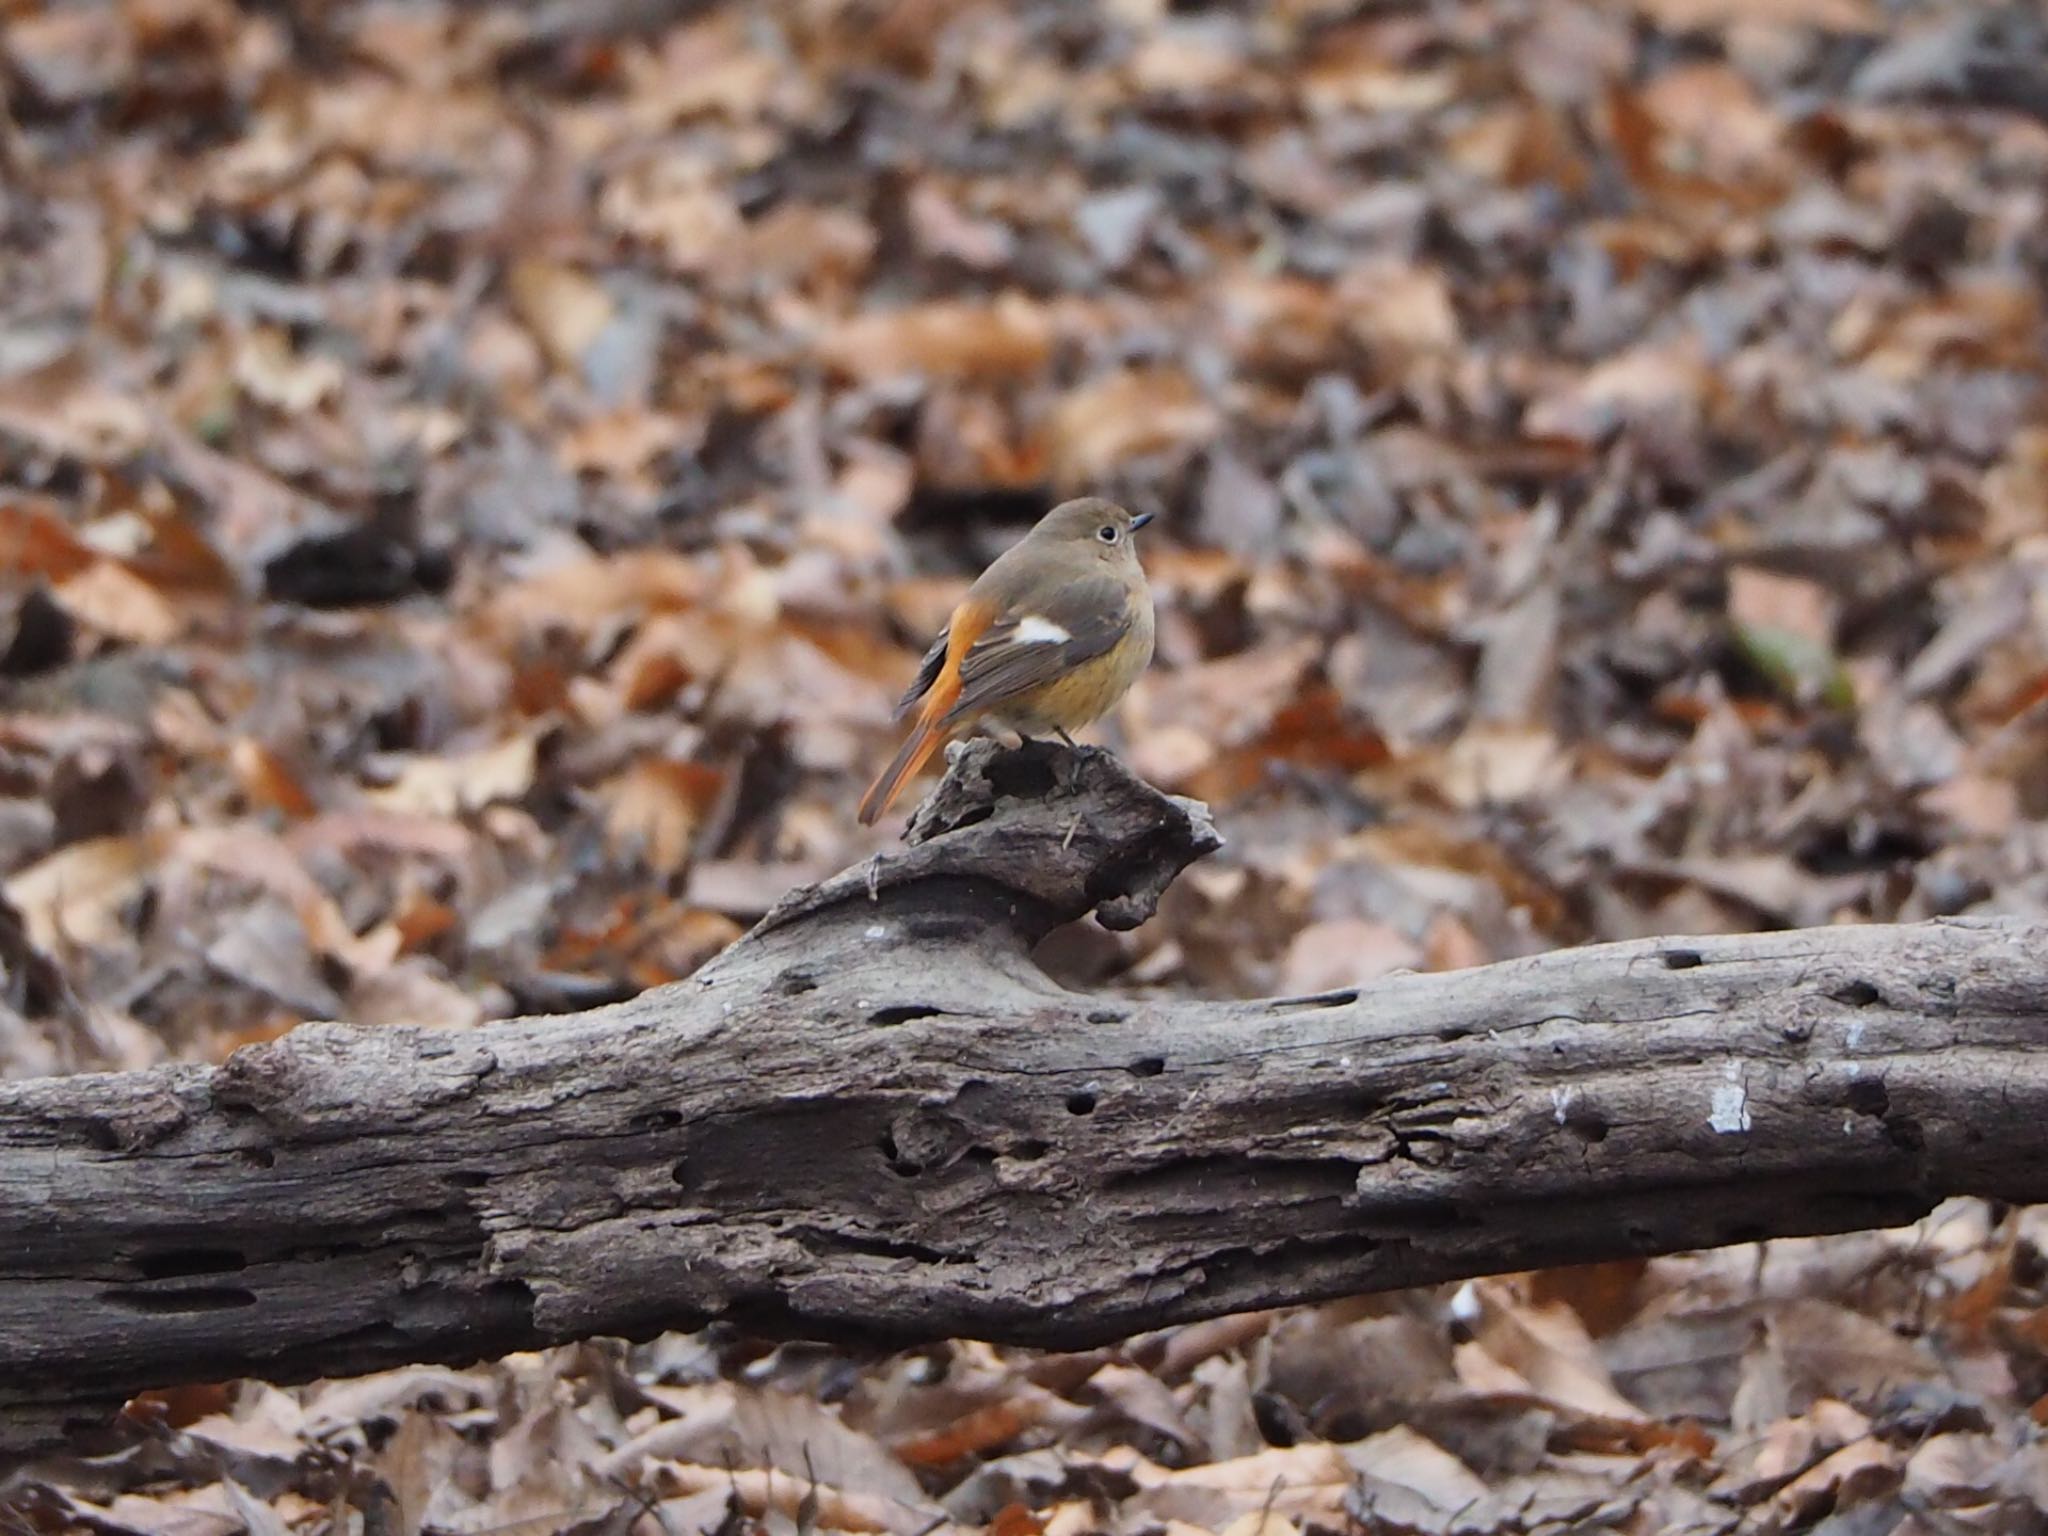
(1033, 630)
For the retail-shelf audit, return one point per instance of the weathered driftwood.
(874, 1118)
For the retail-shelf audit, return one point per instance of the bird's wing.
(927, 674)
(1021, 651)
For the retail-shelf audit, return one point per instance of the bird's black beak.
(1140, 521)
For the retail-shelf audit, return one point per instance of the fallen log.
(873, 1119)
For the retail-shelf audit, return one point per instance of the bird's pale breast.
(1089, 691)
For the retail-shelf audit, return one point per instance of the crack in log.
(873, 1245)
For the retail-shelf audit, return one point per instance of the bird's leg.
(1066, 772)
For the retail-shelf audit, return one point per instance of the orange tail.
(969, 621)
(924, 739)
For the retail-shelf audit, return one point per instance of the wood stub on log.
(873, 1119)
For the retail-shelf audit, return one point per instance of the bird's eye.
(1106, 533)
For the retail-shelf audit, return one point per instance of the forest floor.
(474, 479)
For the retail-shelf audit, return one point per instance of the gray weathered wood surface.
(874, 1118)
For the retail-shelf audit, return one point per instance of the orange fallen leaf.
(179, 1406)
(266, 782)
(175, 557)
(973, 1434)
(273, 1027)
(33, 542)
(1970, 1311)
(1603, 1295)
(1016, 1520)
(420, 920)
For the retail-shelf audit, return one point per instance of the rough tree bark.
(875, 1118)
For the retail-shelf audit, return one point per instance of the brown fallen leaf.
(653, 809)
(266, 781)
(413, 990)
(35, 542)
(1405, 1459)
(1123, 415)
(565, 307)
(1503, 765)
(1851, 1476)
(1008, 338)
(76, 895)
(1851, 16)
(1604, 1296)
(107, 597)
(1547, 1347)
(270, 372)
(977, 1433)
(467, 782)
(1344, 952)
(1016, 1520)
(1259, 1522)
(1787, 1447)
(1957, 1469)
(762, 1493)
(1399, 312)
(586, 593)
(1302, 1480)
(1761, 599)
(182, 1405)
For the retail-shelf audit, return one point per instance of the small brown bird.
(1050, 637)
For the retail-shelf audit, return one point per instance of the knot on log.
(1027, 838)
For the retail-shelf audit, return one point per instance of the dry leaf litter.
(473, 479)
